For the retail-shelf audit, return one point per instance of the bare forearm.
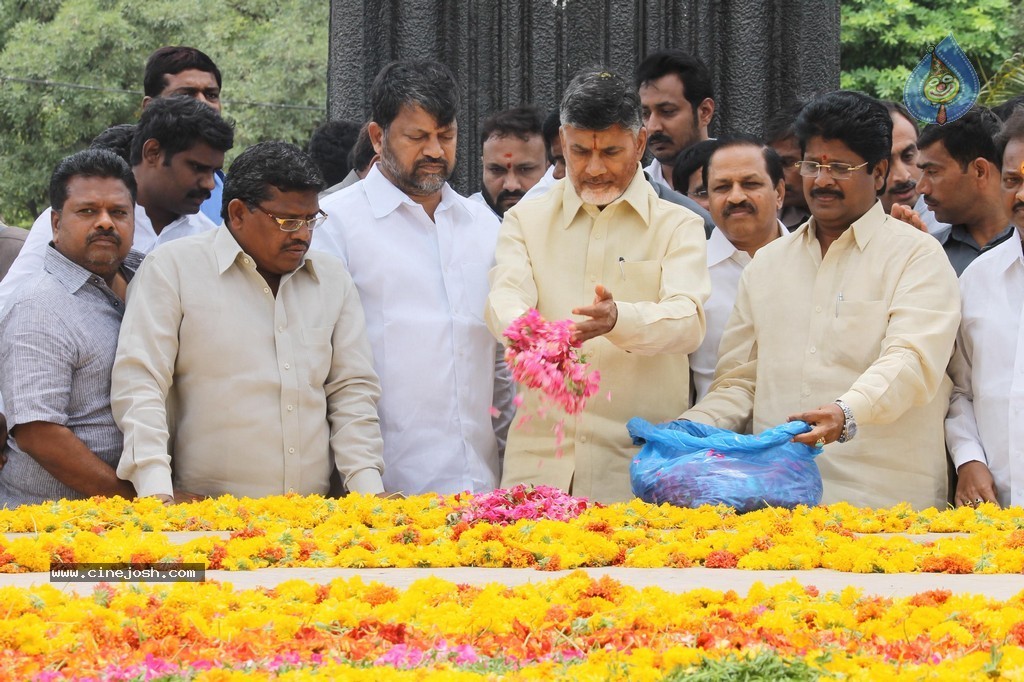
(67, 459)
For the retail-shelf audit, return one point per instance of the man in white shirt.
(419, 255)
(178, 144)
(243, 358)
(675, 91)
(513, 156)
(985, 423)
(746, 188)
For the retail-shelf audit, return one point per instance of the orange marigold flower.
(720, 558)
(931, 598)
(950, 563)
(378, 594)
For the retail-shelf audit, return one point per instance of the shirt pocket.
(637, 281)
(859, 329)
(317, 353)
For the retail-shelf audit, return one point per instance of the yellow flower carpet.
(576, 627)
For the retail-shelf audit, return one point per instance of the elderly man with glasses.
(243, 365)
(847, 324)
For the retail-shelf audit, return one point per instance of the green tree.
(883, 40)
(268, 52)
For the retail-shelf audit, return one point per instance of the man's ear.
(376, 134)
(881, 173)
(237, 212)
(780, 194)
(152, 152)
(54, 223)
(705, 112)
(641, 141)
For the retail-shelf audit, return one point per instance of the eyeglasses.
(838, 171)
(296, 224)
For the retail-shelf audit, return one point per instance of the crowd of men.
(332, 321)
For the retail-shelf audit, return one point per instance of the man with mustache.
(960, 182)
(243, 359)
(984, 427)
(513, 157)
(675, 91)
(601, 230)
(59, 335)
(846, 324)
(901, 186)
(178, 145)
(419, 255)
(746, 188)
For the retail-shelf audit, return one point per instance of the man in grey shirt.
(58, 338)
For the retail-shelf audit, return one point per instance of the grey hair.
(597, 99)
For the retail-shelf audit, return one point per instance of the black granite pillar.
(510, 52)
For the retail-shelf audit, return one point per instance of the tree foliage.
(267, 51)
(883, 40)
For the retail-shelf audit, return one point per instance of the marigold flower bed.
(549, 533)
(574, 628)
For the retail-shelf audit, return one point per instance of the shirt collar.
(385, 197)
(863, 228)
(73, 276)
(228, 252)
(1006, 254)
(720, 248)
(637, 196)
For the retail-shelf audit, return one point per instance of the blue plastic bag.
(689, 464)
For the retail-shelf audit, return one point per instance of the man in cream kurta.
(870, 322)
(243, 358)
(650, 256)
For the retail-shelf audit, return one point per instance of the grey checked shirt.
(57, 344)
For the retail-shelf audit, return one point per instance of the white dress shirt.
(985, 422)
(725, 265)
(656, 173)
(543, 185)
(29, 262)
(423, 285)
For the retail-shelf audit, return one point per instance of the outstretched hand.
(603, 315)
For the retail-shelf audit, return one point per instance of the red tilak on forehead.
(824, 158)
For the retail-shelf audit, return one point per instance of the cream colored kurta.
(552, 252)
(873, 323)
(240, 391)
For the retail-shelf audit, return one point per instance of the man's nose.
(207, 182)
(512, 182)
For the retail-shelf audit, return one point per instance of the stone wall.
(509, 52)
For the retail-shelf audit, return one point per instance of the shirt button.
(291, 451)
(291, 407)
(287, 366)
(583, 439)
(280, 329)
(817, 308)
(813, 350)
(593, 278)
(597, 236)
(245, 260)
(266, 290)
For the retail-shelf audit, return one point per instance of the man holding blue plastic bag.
(847, 324)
